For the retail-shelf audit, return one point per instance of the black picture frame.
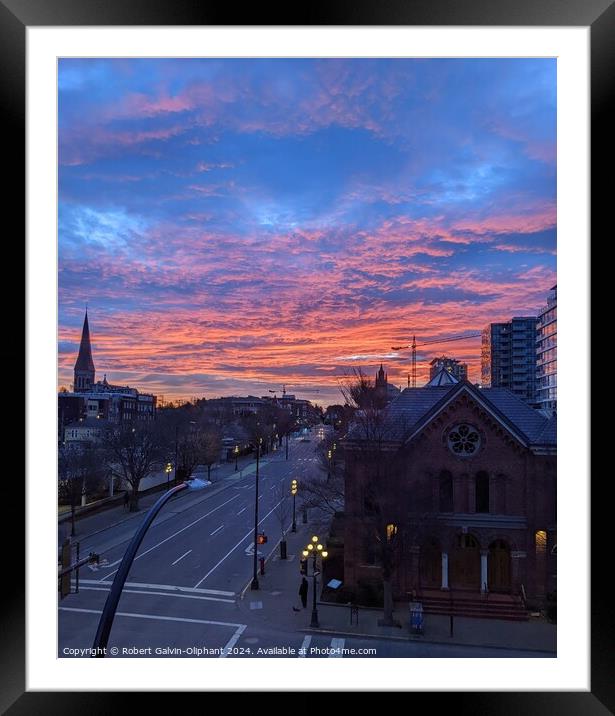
(599, 15)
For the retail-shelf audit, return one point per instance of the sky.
(239, 225)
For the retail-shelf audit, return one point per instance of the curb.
(424, 641)
(143, 512)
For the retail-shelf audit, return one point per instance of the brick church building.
(470, 503)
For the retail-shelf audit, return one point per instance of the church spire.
(84, 367)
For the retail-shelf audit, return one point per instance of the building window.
(446, 491)
(463, 440)
(391, 532)
(482, 492)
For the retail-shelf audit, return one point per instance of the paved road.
(183, 594)
(193, 563)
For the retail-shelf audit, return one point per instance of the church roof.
(84, 359)
(442, 377)
(414, 408)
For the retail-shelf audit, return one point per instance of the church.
(99, 400)
(471, 502)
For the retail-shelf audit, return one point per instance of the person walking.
(303, 592)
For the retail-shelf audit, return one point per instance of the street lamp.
(293, 492)
(168, 469)
(254, 584)
(315, 549)
(236, 451)
(113, 598)
(329, 456)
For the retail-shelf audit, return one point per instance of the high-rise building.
(508, 358)
(546, 354)
(451, 365)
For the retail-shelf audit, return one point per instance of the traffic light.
(293, 487)
(303, 566)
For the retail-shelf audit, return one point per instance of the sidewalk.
(222, 477)
(278, 594)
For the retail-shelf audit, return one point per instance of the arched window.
(482, 491)
(446, 491)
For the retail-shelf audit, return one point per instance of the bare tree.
(282, 512)
(134, 451)
(360, 393)
(376, 470)
(80, 472)
(210, 442)
(189, 452)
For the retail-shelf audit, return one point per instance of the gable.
(487, 411)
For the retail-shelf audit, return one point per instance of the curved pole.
(106, 618)
(255, 584)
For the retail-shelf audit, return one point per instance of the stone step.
(492, 606)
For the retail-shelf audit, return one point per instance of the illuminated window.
(391, 532)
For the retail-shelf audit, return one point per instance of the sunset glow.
(239, 225)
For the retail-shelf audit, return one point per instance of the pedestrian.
(126, 500)
(303, 592)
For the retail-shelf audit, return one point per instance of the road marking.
(211, 534)
(161, 594)
(338, 645)
(233, 640)
(170, 537)
(239, 628)
(260, 497)
(230, 552)
(304, 647)
(168, 587)
(273, 487)
(180, 558)
(242, 510)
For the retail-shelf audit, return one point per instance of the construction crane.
(414, 345)
(276, 391)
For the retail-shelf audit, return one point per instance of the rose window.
(463, 439)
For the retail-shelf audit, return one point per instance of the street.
(187, 593)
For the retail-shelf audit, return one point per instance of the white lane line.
(180, 558)
(211, 534)
(156, 617)
(304, 647)
(338, 645)
(273, 487)
(230, 552)
(232, 641)
(170, 537)
(260, 497)
(242, 510)
(161, 594)
(168, 587)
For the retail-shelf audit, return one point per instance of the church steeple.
(84, 367)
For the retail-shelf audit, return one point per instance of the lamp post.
(254, 584)
(236, 451)
(315, 549)
(106, 618)
(329, 455)
(168, 469)
(293, 492)
(176, 429)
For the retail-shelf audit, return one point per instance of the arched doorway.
(499, 566)
(465, 567)
(431, 564)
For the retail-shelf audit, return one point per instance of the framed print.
(245, 245)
